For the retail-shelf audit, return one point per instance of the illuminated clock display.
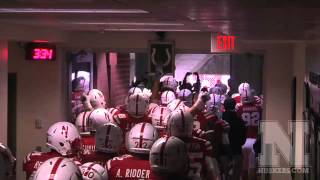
(40, 51)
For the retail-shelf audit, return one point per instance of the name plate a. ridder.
(161, 57)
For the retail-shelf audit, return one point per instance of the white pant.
(248, 154)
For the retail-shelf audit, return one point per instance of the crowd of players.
(173, 131)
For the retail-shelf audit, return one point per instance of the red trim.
(161, 113)
(141, 134)
(89, 122)
(137, 105)
(177, 105)
(83, 121)
(55, 168)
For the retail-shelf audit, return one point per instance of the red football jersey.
(251, 113)
(126, 122)
(34, 159)
(237, 98)
(76, 104)
(98, 157)
(88, 144)
(128, 167)
(202, 119)
(198, 150)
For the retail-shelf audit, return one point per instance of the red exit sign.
(223, 43)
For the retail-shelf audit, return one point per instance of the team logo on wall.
(161, 56)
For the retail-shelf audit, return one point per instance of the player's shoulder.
(37, 155)
(120, 117)
(122, 157)
(118, 160)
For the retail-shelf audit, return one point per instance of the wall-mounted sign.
(223, 43)
(39, 51)
(161, 56)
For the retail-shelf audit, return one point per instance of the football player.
(95, 119)
(159, 119)
(63, 139)
(58, 168)
(93, 100)
(77, 91)
(169, 158)
(169, 83)
(108, 141)
(251, 112)
(135, 165)
(180, 124)
(7, 162)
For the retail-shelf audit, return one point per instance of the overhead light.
(79, 11)
(129, 23)
(143, 29)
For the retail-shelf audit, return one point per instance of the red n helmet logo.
(64, 131)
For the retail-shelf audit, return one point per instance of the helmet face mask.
(141, 137)
(64, 138)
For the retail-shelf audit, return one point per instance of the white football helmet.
(180, 124)
(169, 155)
(244, 90)
(167, 97)
(58, 168)
(137, 105)
(177, 104)
(109, 138)
(93, 171)
(64, 138)
(96, 98)
(216, 100)
(7, 162)
(222, 88)
(82, 122)
(99, 117)
(134, 90)
(186, 96)
(169, 83)
(141, 137)
(159, 117)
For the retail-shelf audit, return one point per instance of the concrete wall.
(41, 94)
